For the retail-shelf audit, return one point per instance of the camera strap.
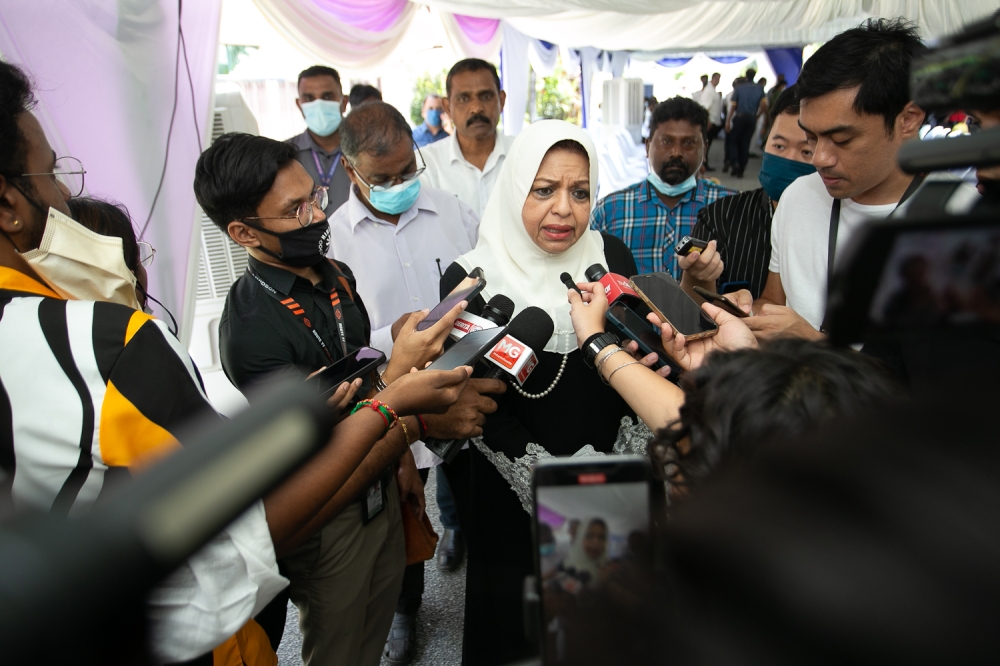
(831, 251)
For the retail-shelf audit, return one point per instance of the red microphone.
(616, 287)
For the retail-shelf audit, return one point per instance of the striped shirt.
(91, 391)
(649, 228)
(742, 226)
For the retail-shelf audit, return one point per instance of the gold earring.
(16, 222)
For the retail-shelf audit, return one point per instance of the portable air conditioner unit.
(622, 106)
(220, 263)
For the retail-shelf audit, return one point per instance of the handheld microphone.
(514, 355)
(496, 313)
(511, 356)
(616, 287)
(567, 280)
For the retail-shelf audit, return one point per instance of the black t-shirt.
(741, 223)
(258, 334)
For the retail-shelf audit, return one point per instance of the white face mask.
(82, 265)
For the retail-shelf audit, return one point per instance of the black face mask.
(300, 247)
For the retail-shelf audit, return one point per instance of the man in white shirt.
(467, 163)
(400, 236)
(856, 110)
(711, 99)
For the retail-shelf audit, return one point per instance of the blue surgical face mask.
(322, 116)
(674, 190)
(397, 198)
(777, 173)
(546, 549)
(434, 117)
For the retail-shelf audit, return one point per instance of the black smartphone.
(721, 301)
(690, 244)
(673, 306)
(592, 528)
(469, 349)
(464, 292)
(632, 326)
(356, 364)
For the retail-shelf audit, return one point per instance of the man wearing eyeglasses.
(399, 237)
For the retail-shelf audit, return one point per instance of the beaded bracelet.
(423, 426)
(608, 380)
(384, 410)
(603, 359)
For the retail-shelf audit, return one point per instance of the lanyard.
(296, 309)
(325, 180)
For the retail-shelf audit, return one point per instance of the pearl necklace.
(536, 396)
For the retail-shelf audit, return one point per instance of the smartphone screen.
(592, 536)
(666, 298)
(461, 293)
(469, 349)
(637, 328)
(357, 363)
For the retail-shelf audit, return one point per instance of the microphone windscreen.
(533, 327)
(595, 273)
(499, 310)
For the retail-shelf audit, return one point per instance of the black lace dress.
(580, 410)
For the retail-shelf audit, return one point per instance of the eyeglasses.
(304, 213)
(146, 253)
(405, 178)
(69, 171)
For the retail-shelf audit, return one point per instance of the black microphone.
(514, 355)
(496, 313)
(511, 356)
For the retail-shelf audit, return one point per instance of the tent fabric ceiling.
(711, 24)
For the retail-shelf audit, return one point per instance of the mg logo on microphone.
(506, 352)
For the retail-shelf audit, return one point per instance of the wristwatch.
(594, 344)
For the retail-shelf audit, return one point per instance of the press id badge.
(374, 502)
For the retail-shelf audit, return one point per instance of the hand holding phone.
(355, 365)
(720, 301)
(690, 244)
(464, 292)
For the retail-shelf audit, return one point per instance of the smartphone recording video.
(592, 533)
(465, 291)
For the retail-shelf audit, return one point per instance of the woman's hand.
(426, 392)
(587, 311)
(733, 334)
(413, 348)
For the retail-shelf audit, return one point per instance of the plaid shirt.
(650, 229)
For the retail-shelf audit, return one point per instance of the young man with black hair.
(856, 109)
(322, 103)
(652, 216)
(362, 93)
(738, 227)
(746, 105)
(296, 309)
(468, 162)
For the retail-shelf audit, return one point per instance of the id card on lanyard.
(296, 309)
(325, 178)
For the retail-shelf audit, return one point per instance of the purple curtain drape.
(477, 30)
(373, 15)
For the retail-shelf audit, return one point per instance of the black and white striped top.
(741, 223)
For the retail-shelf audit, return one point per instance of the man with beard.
(653, 215)
(468, 162)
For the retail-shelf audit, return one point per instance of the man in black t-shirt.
(294, 308)
(739, 226)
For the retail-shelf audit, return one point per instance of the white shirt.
(397, 265)
(800, 240)
(447, 169)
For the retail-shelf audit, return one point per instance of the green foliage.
(556, 97)
(425, 84)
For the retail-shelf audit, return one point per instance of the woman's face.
(557, 210)
(595, 541)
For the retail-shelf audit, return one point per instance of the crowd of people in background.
(359, 225)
